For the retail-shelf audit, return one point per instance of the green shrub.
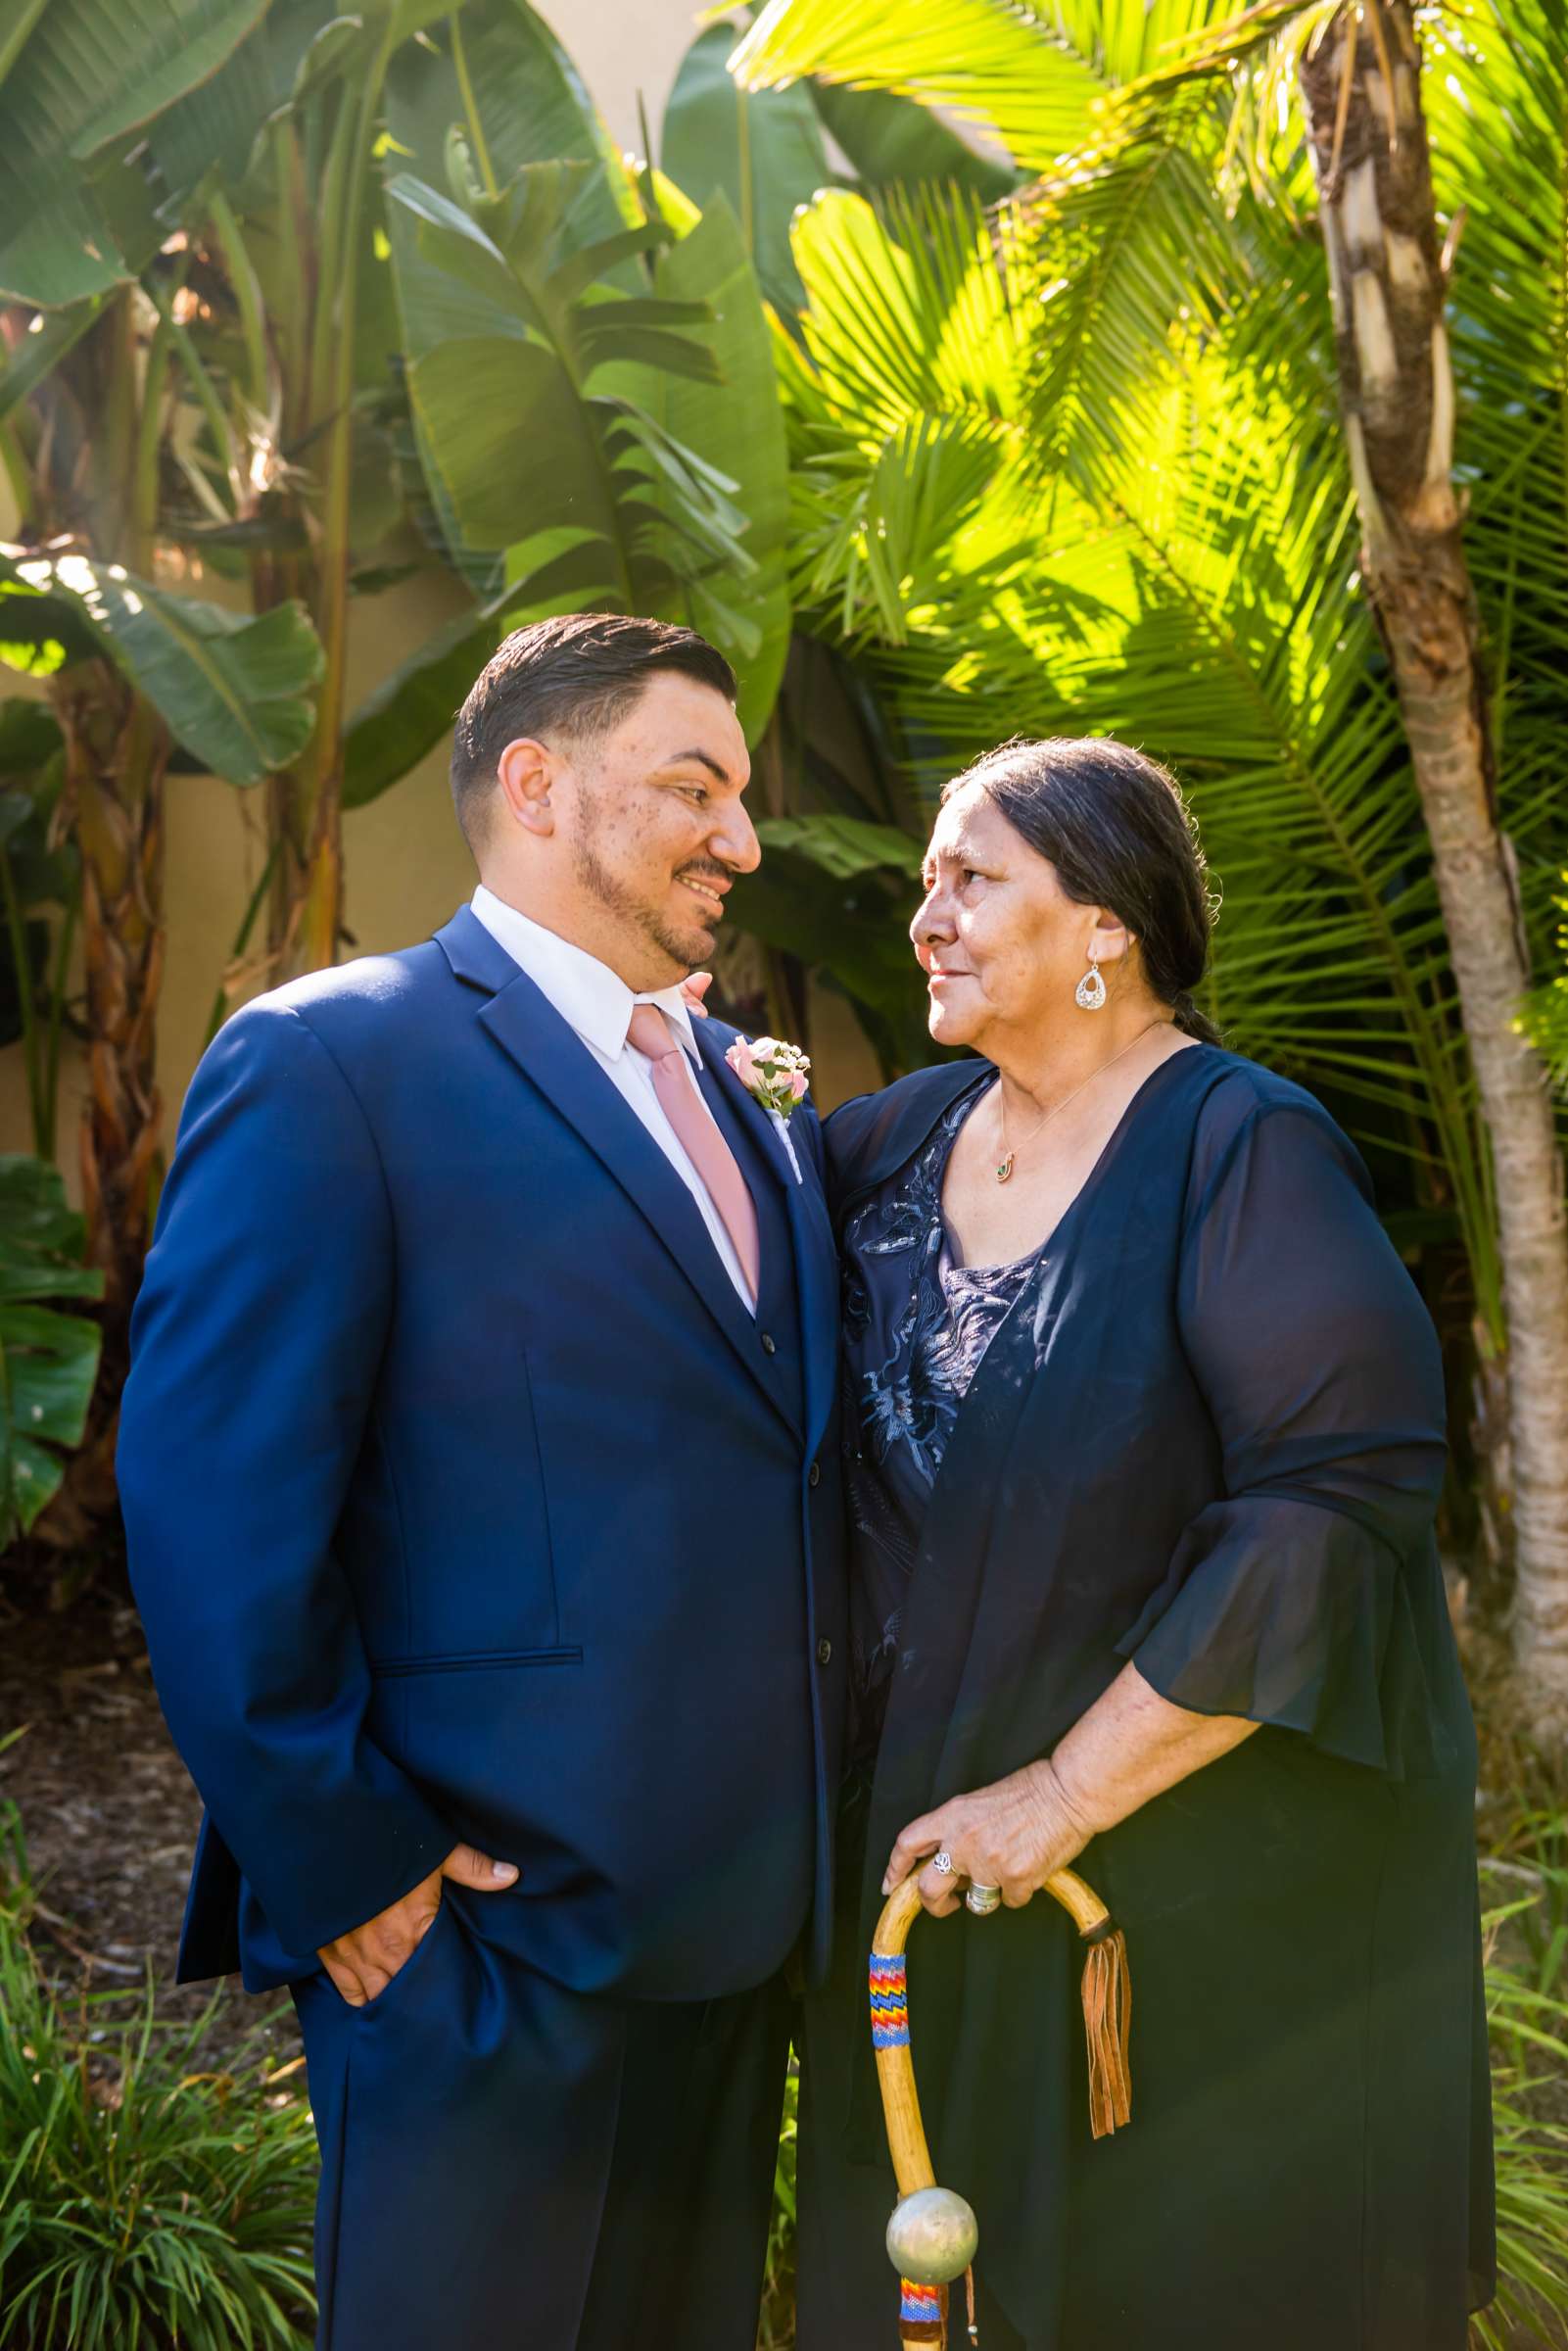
(147, 2197)
(776, 2330)
(48, 1359)
(1527, 2008)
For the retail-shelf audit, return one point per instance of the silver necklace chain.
(1004, 1169)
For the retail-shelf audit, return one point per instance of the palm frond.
(1221, 46)
(911, 484)
(1010, 70)
(1131, 254)
(1497, 99)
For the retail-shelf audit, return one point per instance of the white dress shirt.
(596, 1004)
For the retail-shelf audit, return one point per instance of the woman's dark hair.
(1120, 835)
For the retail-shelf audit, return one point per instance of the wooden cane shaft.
(896, 2066)
(906, 2132)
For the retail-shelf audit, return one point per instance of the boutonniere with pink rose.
(772, 1073)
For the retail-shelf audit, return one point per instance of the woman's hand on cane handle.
(933, 2233)
(1015, 1834)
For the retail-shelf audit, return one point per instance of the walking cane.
(933, 2234)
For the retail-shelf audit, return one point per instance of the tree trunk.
(96, 481)
(1361, 88)
(307, 825)
(305, 802)
(324, 228)
(117, 753)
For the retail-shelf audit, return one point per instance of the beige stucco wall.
(624, 50)
(405, 862)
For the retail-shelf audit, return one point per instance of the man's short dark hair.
(576, 676)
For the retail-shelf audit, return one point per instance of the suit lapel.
(816, 1260)
(554, 1060)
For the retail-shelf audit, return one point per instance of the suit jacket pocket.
(473, 1661)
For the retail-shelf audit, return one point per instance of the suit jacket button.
(768, 1345)
(815, 1477)
(825, 1653)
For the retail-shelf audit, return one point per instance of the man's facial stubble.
(685, 948)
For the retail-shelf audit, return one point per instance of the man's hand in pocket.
(363, 1964)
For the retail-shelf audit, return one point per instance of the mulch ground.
(107, 1813)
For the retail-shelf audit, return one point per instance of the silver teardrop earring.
(1090, 993)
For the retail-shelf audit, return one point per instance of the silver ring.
(942, 1863)
(982, 1899)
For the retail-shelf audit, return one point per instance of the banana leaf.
(843, 846)
(48, 1359)
(407, 714)
(89, 75)
(537, 389)
(894, 143)
(737, 423)
(233, 690)
(518, 100)
(765, 152)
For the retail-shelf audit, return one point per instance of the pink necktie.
(698, 1134)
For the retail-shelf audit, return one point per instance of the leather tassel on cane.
(1107, 2023)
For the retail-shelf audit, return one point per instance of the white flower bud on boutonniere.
(772, 1073)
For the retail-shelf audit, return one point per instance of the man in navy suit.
(478, 1462)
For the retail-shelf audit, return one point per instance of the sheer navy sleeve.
(1319, 1367)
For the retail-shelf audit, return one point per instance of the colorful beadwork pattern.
(889, 2003)
(919, 2312)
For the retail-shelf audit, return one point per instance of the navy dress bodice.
(917, 1324)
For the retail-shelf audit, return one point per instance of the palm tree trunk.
(1360, 83)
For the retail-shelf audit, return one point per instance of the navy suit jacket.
(464, 1498)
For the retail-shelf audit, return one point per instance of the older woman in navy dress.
(1147, 1433)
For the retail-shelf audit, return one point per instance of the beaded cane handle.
(933, 2235)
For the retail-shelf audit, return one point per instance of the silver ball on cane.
(933, 2236)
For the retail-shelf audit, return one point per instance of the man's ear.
(525, 773)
